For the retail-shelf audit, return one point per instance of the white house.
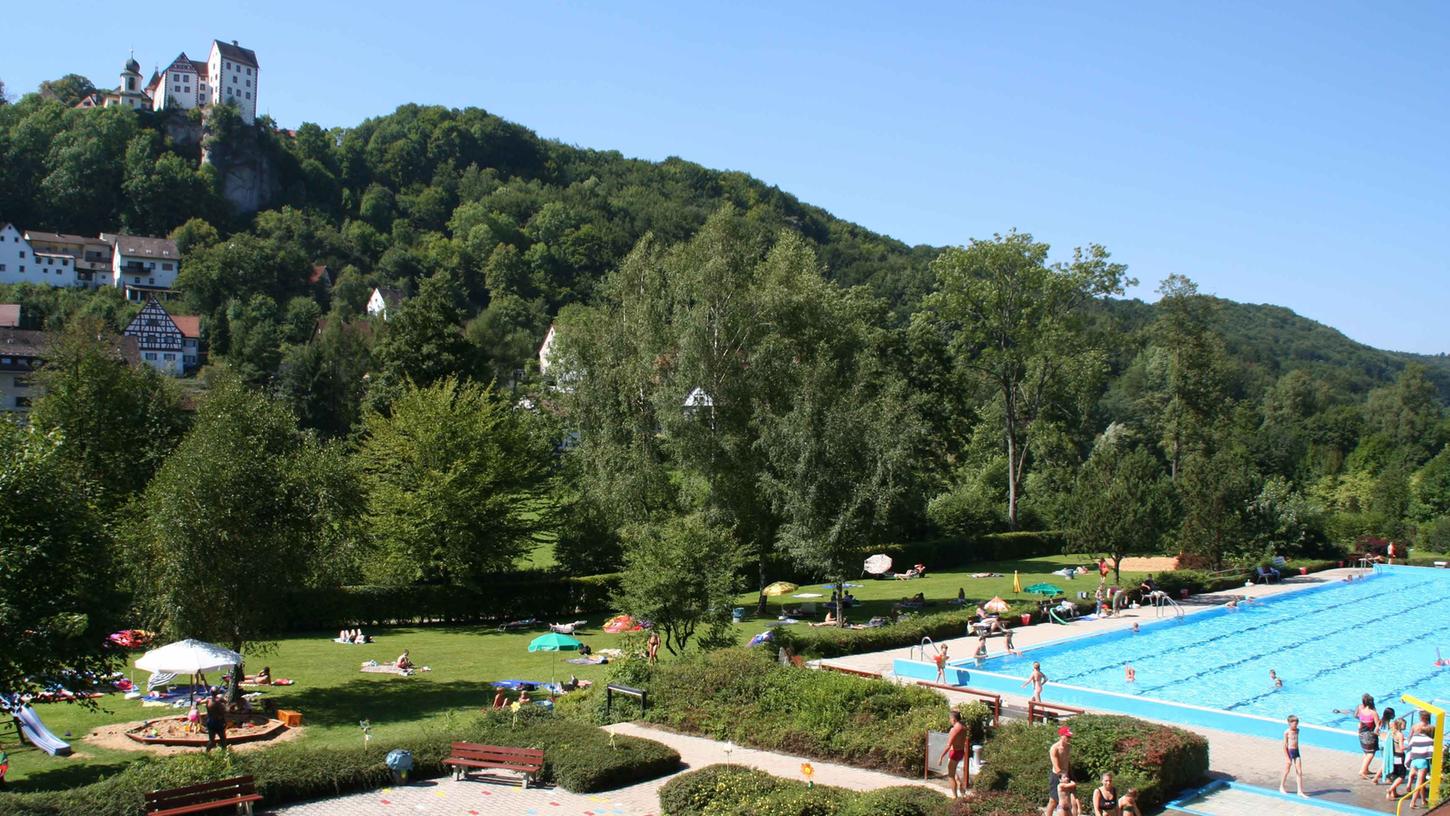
(20, 356)
(167, 344)
(131, 93)
(89, 257)
(233, 73)
(143, 267)
(546, 352)
(382, 300)
(182, 85)
(17, 259)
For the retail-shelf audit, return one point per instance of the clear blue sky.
(1288, 152)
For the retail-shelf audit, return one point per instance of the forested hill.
(524, 225)
(1267, 341)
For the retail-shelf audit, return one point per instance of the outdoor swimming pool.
(1329, 644)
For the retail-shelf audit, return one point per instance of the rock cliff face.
(245, 168)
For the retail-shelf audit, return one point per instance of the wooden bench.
(236, 793)
(468, 756)
(1037, 710)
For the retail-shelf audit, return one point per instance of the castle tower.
(131, 76)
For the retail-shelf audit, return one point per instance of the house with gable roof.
(168, 344)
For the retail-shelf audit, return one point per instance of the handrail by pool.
(996, 699)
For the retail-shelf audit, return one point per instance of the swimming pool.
(1329, 644)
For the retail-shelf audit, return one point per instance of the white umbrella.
(878, 564)
(188, 657)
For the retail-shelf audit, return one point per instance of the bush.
(735, 790)
(577, 757)
(996, 803)
(1157, 760)
(744, 696)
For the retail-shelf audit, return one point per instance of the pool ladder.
(918, 652)
(1165, 599)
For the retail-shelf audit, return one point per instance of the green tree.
(1430, 487)
(1190, 394)
(1216, 487)
(115, 424)
(193, 235)
(840, 459)
(456, 477)
(253, 339)
(1407, 415)
(1121, 503)
(681, 574)
(246, 510)
(423, 343)
(69, 90)
(57, 580)
(1018, 324)
(324, 381)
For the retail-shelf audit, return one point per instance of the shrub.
(742, 695)
(735, 790)
(578, 757)
(1155, 759)
(996, 803)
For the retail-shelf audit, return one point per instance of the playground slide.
(34, 730)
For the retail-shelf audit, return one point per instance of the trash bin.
(1303, 570)
(1026, 618)
(737, 614)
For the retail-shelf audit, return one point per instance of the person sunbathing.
(829, 621)
(403, 663)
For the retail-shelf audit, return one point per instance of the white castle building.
(230, 74)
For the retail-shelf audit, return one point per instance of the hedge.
(577, 757)
(735, 790)
(1157, 760)
(517, 595)
(744, 696)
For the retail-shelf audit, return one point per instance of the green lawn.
(333, 695)
(877, 596)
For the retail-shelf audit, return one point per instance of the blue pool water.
(1329, 644)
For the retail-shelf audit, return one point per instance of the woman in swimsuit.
(1369, 725)
(1105, 798)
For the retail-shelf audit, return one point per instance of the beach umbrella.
(1044, 589)
(554, 642)
(779, 588)
(188, 657)
(1016, 582)
(996, 605)
(878, 564)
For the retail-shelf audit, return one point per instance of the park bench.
(237, 793)
(467, 756)
(1037, 710)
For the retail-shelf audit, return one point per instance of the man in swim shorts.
(1060, 755)
(957, 749)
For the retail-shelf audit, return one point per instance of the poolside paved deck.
(1331, 775)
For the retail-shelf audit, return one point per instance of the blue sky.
(1289, 152)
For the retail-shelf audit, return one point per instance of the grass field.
(333, 695)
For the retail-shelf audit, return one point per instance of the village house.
(168, 343)
(383, 300)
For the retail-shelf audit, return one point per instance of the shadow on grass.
(73, 774)
(386, 701)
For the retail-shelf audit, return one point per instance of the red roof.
(10, 315)
(190, 325)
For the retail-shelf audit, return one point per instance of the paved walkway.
(447, 797)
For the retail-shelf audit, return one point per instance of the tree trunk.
(1011, 476)
(235, 692)
(841, 602)
(760, 604)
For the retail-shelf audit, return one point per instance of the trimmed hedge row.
(1156, 759)
(577, 757)
(539, 595)
(744, 696)
(735, 790)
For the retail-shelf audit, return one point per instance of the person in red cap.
(1060, 755)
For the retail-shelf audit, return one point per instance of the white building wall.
(17, 261)
(179, 89)
(154, 271)
(173, 367)
(55, 269)
(233, 83)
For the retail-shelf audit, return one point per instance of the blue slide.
(34, 730)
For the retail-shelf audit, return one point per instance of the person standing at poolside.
(1037, 679)
(1292, 760)
(1369, 725)
(1105, 798)
(1060, 757)
(957, 748)
(941, 663)
(1418, 752)
(652, 646)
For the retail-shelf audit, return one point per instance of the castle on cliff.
(228, 76)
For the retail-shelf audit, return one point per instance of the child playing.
(1130, 674)
(1292, 759)
(1394, 771)
(1275, 679)
(193, 719)
(941, 663)
(1128, 805)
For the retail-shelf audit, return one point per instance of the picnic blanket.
(389, 668)
(588, 661)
